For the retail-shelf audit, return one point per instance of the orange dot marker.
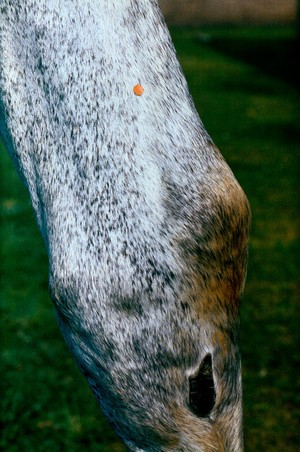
(138, 89)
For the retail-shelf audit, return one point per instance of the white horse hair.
(145, 225)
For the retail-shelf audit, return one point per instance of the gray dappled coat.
(145, 226)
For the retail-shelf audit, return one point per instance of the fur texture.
(145, 225)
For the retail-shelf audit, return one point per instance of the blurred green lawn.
(245, 89)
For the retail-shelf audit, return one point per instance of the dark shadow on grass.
(276, 56)
(286, 134)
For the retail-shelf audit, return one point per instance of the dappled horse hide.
(145, 226)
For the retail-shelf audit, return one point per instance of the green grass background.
(244, 84)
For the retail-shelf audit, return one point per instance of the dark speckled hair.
(145, 225)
